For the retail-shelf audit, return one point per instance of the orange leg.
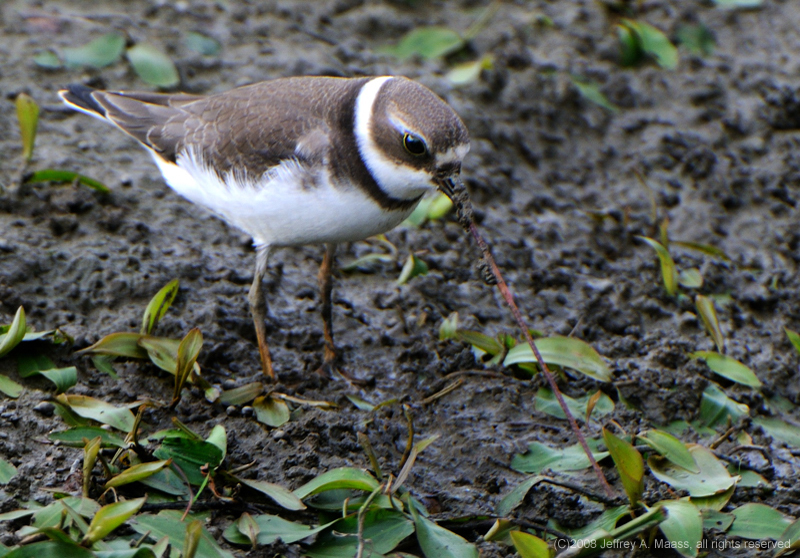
(258, 309)
(326, 286)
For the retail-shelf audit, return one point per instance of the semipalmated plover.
(294, 161)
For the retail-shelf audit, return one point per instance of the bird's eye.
(414, 145)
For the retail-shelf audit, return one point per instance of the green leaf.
(782, 431)
(540, 457)
(716, 407)
(480, 341)
(188, 351)
(153, 66)
(563, 351)
(242, 394)
(697, 39)
(278, 494)
(7, 471)
(714, 502)
(270, 528)
(683, 527)
(190, 455)
(63, 378)
(438, 542)
(102, 51)
(28, 117)
(653, 42)
(74, 437)
(590, 91)
(105, 364)
(529, 546)
(137, 473)
(169, 524)
(168, 482)
(629, 464)
(750, 479)
(61, 176)
(194, 533)
(790, 540)
(602, 539)
(219, 437)
(690, 278)
(516, 496)
(163, 352)
(713, 477)
(50, 549)
(546, 402)
(203, 44)
(90, 451)
(383, 531)
(713, 519)
(739, 4)
(141, 552)
(365, 263)
(469, 72)
(705, 308)
(95, 409)
(360, 403)
(110, 517)
(427, 42)
(668, 272)
(606, 521)
(344, 477)
(31, 365)
(449, 327)
(794, 338)
(670, 447)
(118, 344)
(271, 411)
(47, 59)
(158, 306)
(706, 249)
(439, 207)
(758, 522)
(10, 387)
(412, 268)
(15, 333)
(629, 46)
(729, 368)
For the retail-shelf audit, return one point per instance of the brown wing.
(253, 127)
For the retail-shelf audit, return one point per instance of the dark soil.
(715, 140)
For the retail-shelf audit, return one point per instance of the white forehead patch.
(398, 181)
(453, 154)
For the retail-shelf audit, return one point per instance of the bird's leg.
(326, 286)
(258, 308)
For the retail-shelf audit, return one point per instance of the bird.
(295, 161)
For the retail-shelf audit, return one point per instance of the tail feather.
(81, 98)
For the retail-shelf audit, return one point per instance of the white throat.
(398, 181)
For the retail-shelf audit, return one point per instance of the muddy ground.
(716, 141)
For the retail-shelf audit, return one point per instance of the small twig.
(410, 439)
(442, 392)
(509, 298)
(362, 512)
(185, 479)
(718, 442)
(363, 439)
(581, 490)
(746, 466)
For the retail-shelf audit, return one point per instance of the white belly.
(279, 209)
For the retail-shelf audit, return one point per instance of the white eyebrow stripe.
(395, 179)
(453, 154)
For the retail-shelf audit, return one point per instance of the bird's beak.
(449, 185)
